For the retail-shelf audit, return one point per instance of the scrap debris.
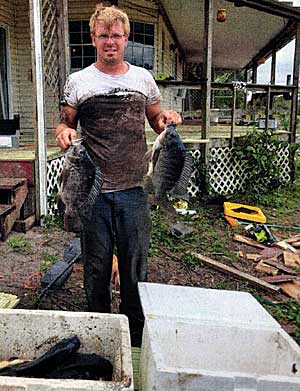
(241, 275)
(279, 259)
(8, 300)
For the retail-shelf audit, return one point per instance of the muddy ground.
(170, 262)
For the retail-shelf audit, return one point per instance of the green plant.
(19, 244)
(258, 153)
(53, 221)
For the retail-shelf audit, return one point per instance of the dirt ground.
(20, 269)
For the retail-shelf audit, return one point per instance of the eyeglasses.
(106, 37)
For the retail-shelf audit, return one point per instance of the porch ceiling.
(235, 42)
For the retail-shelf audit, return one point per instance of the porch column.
(273, 76)
(207, 71)
(294, 108)
(38, 93)
(63, 42)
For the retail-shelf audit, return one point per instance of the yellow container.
(244, 212)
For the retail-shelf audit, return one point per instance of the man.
(111, 98)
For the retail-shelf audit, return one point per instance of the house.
(182, 43)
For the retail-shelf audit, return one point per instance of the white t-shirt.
(111, 111)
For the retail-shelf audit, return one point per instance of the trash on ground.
(265, 268)
(186, 211)
(244, 212)
(241, 275)
(8, 300)
(180, 230)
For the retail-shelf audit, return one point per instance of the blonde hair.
(109, 16)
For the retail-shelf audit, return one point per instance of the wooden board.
(236, 273)
(291, 289)
(281, 278)
(249, 241)
(265, 268)
(294, 238)
(291, 259)
(280, 266)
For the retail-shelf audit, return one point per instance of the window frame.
(144, 46)
(7, 59)
(80, 45)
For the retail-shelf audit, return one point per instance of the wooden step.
(11, 183)
(6, 209)
(17, 190)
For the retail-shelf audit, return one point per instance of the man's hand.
(65, 138)
(159, 118)
(168, 117)
(65, 133)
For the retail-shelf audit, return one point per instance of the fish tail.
(180, 188)
(93, 194)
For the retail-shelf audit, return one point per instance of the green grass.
(20, 245)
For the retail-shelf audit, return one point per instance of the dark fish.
(88, 366)
(81, 182)
(170, 167)
(53, 358)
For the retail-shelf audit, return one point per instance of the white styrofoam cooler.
(179, 355)
(198, 339)
(29, 334)
(203, 305)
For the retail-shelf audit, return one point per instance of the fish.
(54, 357)
(62, 361)
(87, 366)
(81, 181)
(170, 167)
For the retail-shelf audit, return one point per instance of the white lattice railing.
(54, 169)
(225, 173)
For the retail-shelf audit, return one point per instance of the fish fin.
(180, 189)
(85, 208)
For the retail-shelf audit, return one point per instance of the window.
(140, 49)
(82, 52)
(4, 88)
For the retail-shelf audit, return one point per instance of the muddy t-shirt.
(111, 110)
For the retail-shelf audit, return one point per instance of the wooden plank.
(292, 239)
(281, 278)
(236, 273)
(291, 259)
(249, 241)
(24, 225)
(265, 268)
(290, 289)
(280, 266)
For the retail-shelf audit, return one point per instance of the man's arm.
(65, 132)
(158, 118)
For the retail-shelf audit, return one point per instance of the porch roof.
(252, 29)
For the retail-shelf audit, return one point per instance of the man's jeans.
(120, 219)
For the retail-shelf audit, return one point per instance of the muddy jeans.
(120, 219)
